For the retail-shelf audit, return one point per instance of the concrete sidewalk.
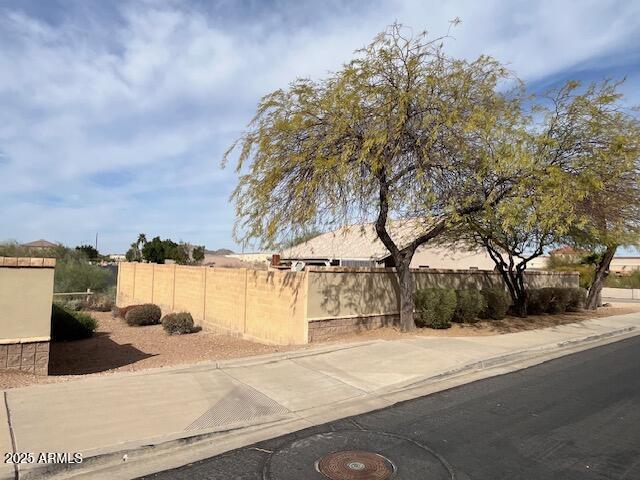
(101, 415)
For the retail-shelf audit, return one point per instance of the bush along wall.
(497, 303)
(179, 323)
(66, 325)
(555, 300)
(470, 304)
(435, 307)
(438, 307)
(146, 314)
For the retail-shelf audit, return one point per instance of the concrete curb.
(143, 452)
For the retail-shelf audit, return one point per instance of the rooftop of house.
(42, 243)
(358, 241)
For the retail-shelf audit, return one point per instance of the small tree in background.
(89, 251)
(401, 131)
(198, 253)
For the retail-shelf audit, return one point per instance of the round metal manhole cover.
(355, 455)
(355, 465)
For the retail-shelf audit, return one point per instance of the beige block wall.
(225, 298)
(276, 306)
(346, 293)
(264, 306)
(26, 295)
(189, 291)
(163, 283)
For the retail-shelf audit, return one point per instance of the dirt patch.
(493, 327)
(117, 347)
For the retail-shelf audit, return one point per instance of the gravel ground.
(117, 347)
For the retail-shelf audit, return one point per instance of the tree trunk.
(405, 282)
(515, 284)
(520, 293)
(601, 273)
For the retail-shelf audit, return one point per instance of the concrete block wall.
(343, 300)
(284, 307)
(26, 295)
(264, 306)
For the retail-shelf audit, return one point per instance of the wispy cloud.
(114, 115)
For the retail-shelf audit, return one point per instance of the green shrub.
(469, 305)
(630, 280)
(435, 307)
(70, 304)
(67, 325)
(146, 314)
(179, 323)
(74, 274)
(577, 299)
(551, 300)
(560, 298)
(538, 300)
(497, 302)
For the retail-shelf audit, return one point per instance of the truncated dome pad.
(355, 455)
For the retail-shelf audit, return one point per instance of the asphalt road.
(577, 417)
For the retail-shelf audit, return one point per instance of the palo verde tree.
(401, 131)
(580, 183)
(611, 211)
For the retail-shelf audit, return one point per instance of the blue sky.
(114, 115)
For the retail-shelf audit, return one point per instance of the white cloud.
(160, 90)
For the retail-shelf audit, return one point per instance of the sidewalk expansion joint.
(16, 466)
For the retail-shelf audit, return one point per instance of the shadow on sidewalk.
(96, 354)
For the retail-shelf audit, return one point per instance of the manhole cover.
(355, 465)
(355, 455)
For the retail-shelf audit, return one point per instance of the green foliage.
(198, 253)
(577, 299)
(133, 254)
(560, 299)
(435, 307)
(552, 300)
(75, 274)
(178, 323)
(89, 251)
(159, 251)
(631, 280)
(538, 300)
(497, 303)
(67, 325)
(318, 154)
(470, 304)
(146, 314)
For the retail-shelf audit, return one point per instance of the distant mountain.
(220, 251)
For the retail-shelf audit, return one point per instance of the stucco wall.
(345, 293)
(268, 306)
(26, 295)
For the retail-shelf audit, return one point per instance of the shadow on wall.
(92, 355)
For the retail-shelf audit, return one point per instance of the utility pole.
(96, 240)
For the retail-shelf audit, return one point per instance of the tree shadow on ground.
(512, 324)
(92, 355)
